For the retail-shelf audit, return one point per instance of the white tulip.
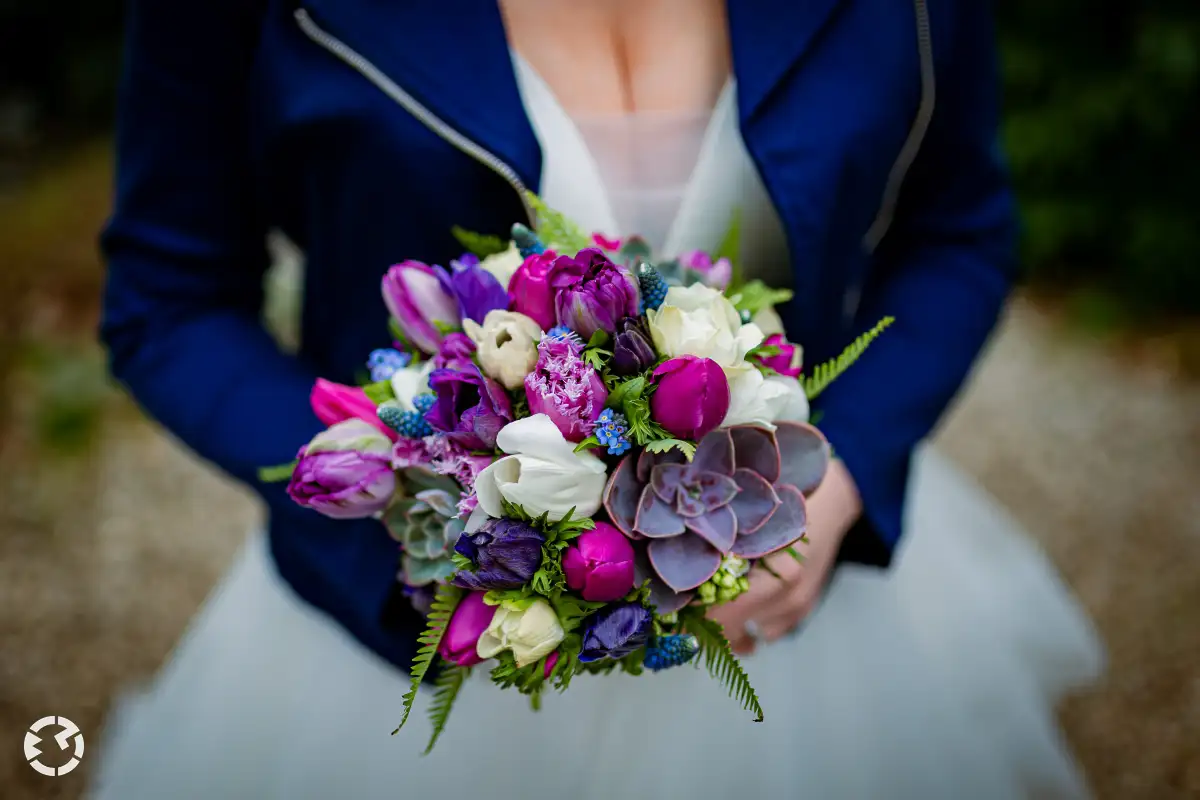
(411, 381)
(543, 474)
(506, 345)
(698, 320)
(758, 400)
(530, 634)
(503, 264)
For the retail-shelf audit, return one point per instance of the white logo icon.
(69, 731)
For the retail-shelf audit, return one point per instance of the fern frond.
(722, 664)
(663, 445)
(449, 681)
(556, 230)
(481, 244)
(440, 611)
(826, 373)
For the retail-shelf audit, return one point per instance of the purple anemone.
(742, 494)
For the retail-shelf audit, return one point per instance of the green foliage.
(442, 608)
(481, 244)
(720, 661)
(379, 392)
(277, 474)
(1101, 126)
(663, 445)
(632, 398)
(558, 232)
(828, 372)
(587, 444)
(756, 295)
(449, 681)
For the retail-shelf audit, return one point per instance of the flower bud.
(422, 301)
(615, 631)
(599, 564)
(460, 641)
(345, 472)
(530, 633)
(506, 553)
(692, 397)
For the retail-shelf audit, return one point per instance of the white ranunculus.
(698, 320)
(768, 321)
(530, 633)
(758, 400)
(503, 264)
(542, 473)
(411, 381)
(506, 344)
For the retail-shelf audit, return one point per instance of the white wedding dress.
(934, 680)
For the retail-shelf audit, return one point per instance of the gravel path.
(104, 559)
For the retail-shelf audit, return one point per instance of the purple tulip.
(530, 292)
(599, 564)
(468, 622)
(478, 291)
(505, 553)
(335, 402)
(787, 361)
(692, 397)
(591, 292)
(455, 351)
(470, 407)
(633, 349)
(421, 299)
(345, 472)
(615, 631)
(716, 274)
(565, 388)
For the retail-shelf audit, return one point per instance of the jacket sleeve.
(943, 271)
(185, 245)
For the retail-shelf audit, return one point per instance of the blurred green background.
(111, 534)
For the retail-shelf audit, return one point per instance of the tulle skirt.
(936, 679)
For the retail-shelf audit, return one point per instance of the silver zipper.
(410, 104)
(916, 135)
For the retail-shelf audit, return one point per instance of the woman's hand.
(777, 606)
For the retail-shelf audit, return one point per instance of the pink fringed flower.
(566, 389)
(408, 453)
(447, 457)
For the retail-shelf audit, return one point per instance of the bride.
(852, 140)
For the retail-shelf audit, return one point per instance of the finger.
(789, 611)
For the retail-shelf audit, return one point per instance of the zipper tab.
(410, 104)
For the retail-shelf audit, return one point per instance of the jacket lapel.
(768, 38)
(452, 57)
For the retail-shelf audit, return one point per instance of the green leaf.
(379, 392)
(442, 608)
(826, 373)
(461, 563)
(794, 553)
(587, 444)
(663, 445)
(572, 611)
(596, 358)
(277, 474)
(449, 681)
(556, 230)
(721, 663)
(481, 244)
(756, 295)
(598, 339)
(630, 388)
(730, 247)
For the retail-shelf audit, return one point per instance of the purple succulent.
(743, 493)
(470, 408)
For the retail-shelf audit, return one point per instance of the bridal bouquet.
(579, 450)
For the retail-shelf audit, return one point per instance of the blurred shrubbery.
(1103, 133)
(1102, 127)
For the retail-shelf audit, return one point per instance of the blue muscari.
(410, 424)
(670, 651)
(611, 431)
(528, 244)
(386, 362)
(653, 286)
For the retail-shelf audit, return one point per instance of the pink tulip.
(530, 292)
(470, 619)
(692, 396)
(787, 361)
(336, 402)
(599, 564)
(551, 662)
